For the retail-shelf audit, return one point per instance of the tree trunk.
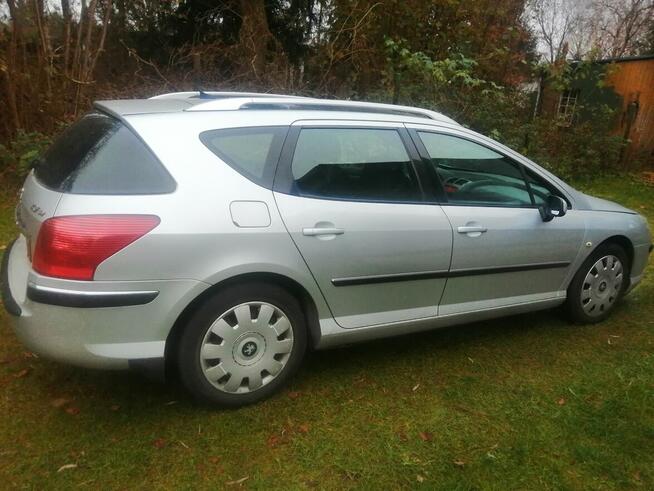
(255, 34)
(12, 73)
(67, 16)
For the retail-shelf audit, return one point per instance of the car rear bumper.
(95, 324)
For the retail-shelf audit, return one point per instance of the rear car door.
(503, 252)
(351, 200)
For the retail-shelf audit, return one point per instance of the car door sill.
(334, 335)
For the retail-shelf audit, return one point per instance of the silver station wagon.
(222, 235)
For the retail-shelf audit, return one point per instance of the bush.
(17, 157)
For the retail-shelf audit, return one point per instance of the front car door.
(350, 198)
(504, 254)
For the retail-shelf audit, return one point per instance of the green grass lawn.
(527, 402)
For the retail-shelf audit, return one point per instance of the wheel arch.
(292, 286)
(622, 241)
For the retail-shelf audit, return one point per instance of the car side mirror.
(554, 207)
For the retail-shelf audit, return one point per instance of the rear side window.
(100, 155)
(354, 164)
(253, 152)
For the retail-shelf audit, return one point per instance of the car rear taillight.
(72, 247)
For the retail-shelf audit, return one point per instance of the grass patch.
(527, 402)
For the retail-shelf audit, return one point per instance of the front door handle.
(469, 229)
(312, 232)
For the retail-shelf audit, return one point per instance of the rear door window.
(359, 164)
(253, 152)
(100, 155)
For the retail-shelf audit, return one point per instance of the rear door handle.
(311, 232)
(468, 229)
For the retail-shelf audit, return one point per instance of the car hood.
(599, 204)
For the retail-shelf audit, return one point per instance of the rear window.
(253, 152)
(100, 155)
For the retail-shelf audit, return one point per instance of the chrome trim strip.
(88, 299)
(366, 280)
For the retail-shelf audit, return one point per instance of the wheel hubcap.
(601, 286)
(246, 347)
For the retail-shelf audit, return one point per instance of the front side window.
(253, 152)
(353, 164)
(472, 174)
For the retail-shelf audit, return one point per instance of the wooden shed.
(630, 88)
(633, 79)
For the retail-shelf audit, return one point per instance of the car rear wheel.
(242, 345)
(598, 285)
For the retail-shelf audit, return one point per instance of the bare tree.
(555, 21)
(621, 25)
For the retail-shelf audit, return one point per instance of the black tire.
(190, 343)
(573, 305)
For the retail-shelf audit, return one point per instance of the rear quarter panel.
(197, 237)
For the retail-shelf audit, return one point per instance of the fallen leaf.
(115, 408)
(425, 436)
(29, 354)
(273, 441)
(303, 428)
(214, 459)
(159, 443)
(3, 247)
(561, 401)
(73, 411)
(60, 402)
(419, 478)
(459, 463)
(293, 395)
(238, 481)
(67, 466)
(402, 436)
(23, 373)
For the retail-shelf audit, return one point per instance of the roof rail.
(309, 104)
(215, 95)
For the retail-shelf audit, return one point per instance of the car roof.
(241, 101)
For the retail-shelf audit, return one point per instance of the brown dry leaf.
(426, 436)
(561, 401)
(293, 394)
(402, 436)
(273, 441)
(73, 411)
(159, 443)
(303, 428)
(214, 459)
(67, 466)
(23, 373)
(60, 402)
(459, 463)
(115, 408)
(238, 481)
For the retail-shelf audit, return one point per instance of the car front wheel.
(598, 284)
(242, 345)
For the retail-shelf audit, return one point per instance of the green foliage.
(17, 157)
(506, 113)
